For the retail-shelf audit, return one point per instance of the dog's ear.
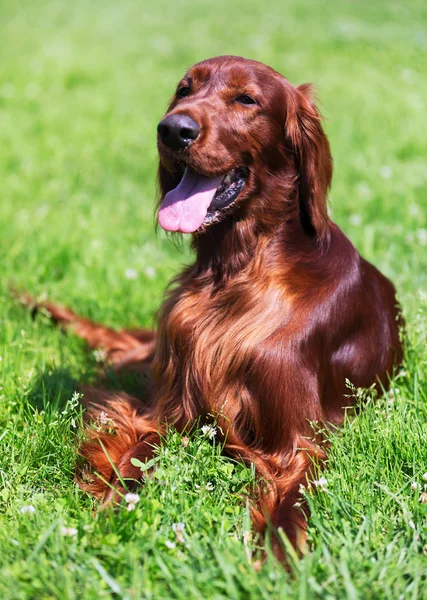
(314, 161)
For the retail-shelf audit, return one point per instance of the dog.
(277, 311)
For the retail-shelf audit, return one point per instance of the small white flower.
(131, 274)
(413, 209)
(364, 189)
(386, 172)
(209, 431)
(170, 545)
(99, 355)
(132, 498)
(425, 476)
(321, 483)
(29, 508)
(209, 486)
(421, 236)
(150, 272)
(355, 219)
(423, 498)
(104, 419)
(69, 531)
(185, 441)
(414, 486)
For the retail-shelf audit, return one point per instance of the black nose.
(178, 131)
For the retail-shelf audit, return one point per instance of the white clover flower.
(170, 544)
(425, 476)
(28, 509)
(104, 419)
(413, 209)
(321, 483)
(421, 236)
(209, 486)
(209, 431)
(150, 272)
(355, 219)
(386, 172)
(69, 531)
(185, 441)
(414, 486)
(131, 274)
(364, 189)
(132, 498)
(423, 498)
(99, 355)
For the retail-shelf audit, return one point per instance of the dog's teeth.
(228, 178)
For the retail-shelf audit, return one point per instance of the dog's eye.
(183, 91)
(245, 99)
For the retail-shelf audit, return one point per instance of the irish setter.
(278, 309)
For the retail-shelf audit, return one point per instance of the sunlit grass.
(82, 87)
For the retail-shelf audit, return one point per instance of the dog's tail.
(121, 347)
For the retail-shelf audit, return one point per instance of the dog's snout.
(178, 131)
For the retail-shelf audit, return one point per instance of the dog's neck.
(232, 246)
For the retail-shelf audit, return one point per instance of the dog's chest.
(217, 336)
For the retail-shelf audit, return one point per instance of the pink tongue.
(184, 208)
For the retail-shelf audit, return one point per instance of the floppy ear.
(314, 161)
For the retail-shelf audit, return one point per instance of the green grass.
(82, 87)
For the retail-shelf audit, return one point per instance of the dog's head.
(237, 131)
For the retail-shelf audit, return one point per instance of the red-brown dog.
(278, 309)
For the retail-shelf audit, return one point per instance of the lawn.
(82, 87)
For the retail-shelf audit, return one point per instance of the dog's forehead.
(234, 71)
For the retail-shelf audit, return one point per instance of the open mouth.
(226, 194)
(199, 201)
